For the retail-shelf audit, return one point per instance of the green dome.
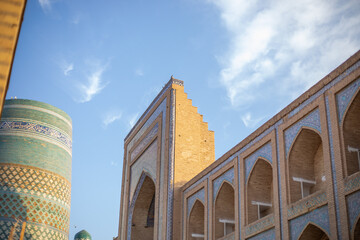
(82, 235)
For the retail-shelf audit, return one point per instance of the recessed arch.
(306, 165)
(224, 210)
(196, 221)
(143, 213)
(351, 135)
(259, 191)
(313, 232)
(356, 230)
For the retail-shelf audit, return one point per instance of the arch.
(259, 191)
(356, 231)
(306, 165)
(224, 210)
(313, 232)
(351, 135)
(142, 220)
(196, 221)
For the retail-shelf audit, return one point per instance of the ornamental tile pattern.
(260, 225)
(31, 127)
(23, 180)
(145, 141)
(353, 207)
(191, 200)
(227, 176)
(264, 152)
(353, 183)
(268, 235)
(319, 216)
(303, 206)
(344, 97)
(312, 120)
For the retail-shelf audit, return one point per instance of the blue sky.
(103, 62)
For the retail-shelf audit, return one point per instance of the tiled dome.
(82, 235)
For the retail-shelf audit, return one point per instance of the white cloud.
(290, 44)
(111, 117)
(139, 72)
(68, 68)
(112, 163)
(45, 4)
(94, 83)
(133, 119)
(249, 121)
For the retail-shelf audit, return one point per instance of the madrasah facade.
(295, 177)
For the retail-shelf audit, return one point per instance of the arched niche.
(259, 191)
(306, 165)
(143, 214)
(351, 134)
(224, 210)
(196, 222)
(312, 232)
(356, 234)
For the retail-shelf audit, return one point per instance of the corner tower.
(35, 171)
(167, 147)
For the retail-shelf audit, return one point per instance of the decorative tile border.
(353, 183)
(145, 141)
(304, 205)
(264, 152)
(36, 128)
(344, 97)
(312, 120)
(191, 200)
(227, 176)
(260, 225)
(268, 235)
(353, 208)
(319, 216)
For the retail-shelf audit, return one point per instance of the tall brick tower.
(35, 171)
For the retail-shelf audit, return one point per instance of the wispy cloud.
(45, 5)
(139, 72)
(111, 117)
(112, 163)
(290, 44)
(249, 121)
(68, 68)
(133, 119)
(94, 83)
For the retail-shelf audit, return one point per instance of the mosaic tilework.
(170, 202)
(279, 180)
(353, 208)
(132, 205)
(191, 200)
(352, 184)
(333, 171)
(312, 120)
(35, 182)
(145, 141)
(227, 176)
(303, 206)
(268, 235)
(259, 226)
(319, 216)
(264, 152)
(344, 97)
(328, 86)
(36, 128)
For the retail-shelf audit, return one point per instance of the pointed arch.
(356, 230)
(313, 232)
(259, 191)
(351, 135)
(306, 165)
(224, 210)
(196, 220)
(143, 209)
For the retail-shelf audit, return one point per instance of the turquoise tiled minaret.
(35, 171)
